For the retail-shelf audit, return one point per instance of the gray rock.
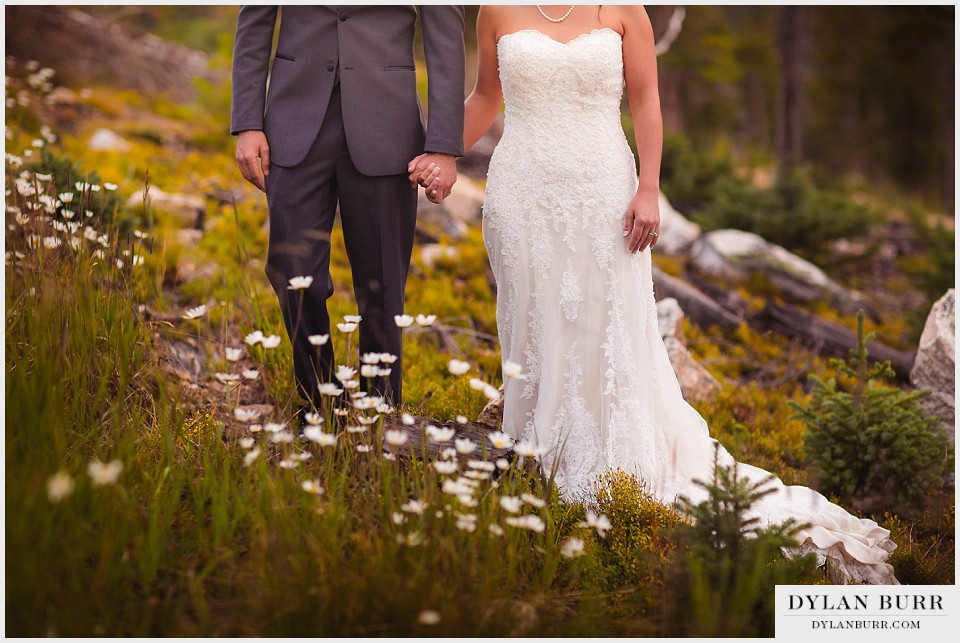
(696, 382)
(188, 208)
(492, 413)
(430, 252)
(465, 201)
(438, 217)
(670, 319)
(188, 237)
(735, 255)
(183, 358)
(934, 368)
(476, 161)
(458, 211)
(190, 270)
(108, 140)
(677, 233)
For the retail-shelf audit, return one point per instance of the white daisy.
(329, 389)
(251, 455)
(312, 486)
(414, 507)
(500, 440)
(445, 468)
(531, 499)
(59, 486)
(598, 522)
(514, 370)
(300, 283)
(315, 434)
(465, 445)
(531, 522)
(395, 437)
(572, 548)
(270, 341)
(245, 415)
(104, 473)
(195, 313)
(440, 434)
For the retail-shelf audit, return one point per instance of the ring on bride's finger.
(653, 234)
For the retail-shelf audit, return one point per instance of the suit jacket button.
(330, 66)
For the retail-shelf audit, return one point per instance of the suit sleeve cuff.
(243, 127)
(452, 148)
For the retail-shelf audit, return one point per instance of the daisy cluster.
(51, 218)
(61, 485)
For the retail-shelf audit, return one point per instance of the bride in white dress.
(569, 229)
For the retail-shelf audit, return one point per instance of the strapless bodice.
(573, 87)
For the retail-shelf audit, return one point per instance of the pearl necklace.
(565, 16)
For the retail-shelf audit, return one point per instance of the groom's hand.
(252, 153)
(434, 172)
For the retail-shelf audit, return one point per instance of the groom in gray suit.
(341, 123)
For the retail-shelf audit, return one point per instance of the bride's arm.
(483, 104)
(640, 72)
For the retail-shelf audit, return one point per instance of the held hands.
(252, 154)
(641, 224)
(436, 173)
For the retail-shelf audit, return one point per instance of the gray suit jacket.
(372, 49)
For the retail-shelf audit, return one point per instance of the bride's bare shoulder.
(632, 19)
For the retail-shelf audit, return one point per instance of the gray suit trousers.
(378, 216)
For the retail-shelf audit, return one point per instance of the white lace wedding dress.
(577, 311)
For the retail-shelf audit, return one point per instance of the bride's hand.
(641, 224)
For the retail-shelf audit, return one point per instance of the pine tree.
(871, 444)
(733, 563)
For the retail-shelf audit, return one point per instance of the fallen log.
(702, 310)
(827, 336)
(727, 299)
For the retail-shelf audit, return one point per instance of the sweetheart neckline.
(562, 44)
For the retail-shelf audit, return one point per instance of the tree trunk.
(790, 100)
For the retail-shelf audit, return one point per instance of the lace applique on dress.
(570, 297)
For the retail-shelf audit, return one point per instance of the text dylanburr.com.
(861, 612)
